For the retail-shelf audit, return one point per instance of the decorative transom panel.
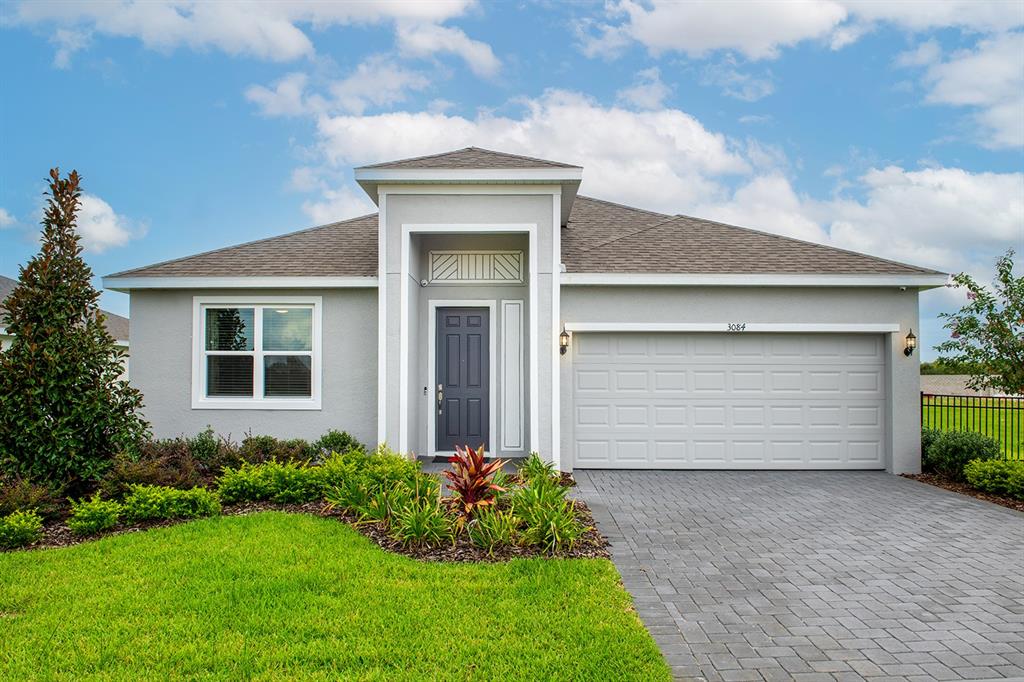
(459, 267)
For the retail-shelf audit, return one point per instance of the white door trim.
(408, 229)
(492, 348)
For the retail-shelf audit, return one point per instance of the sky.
(892, 128)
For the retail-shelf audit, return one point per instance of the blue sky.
(891, 128)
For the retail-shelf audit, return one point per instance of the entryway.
(462, 378)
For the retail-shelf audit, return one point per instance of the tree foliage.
(987, 334)
(64, 410)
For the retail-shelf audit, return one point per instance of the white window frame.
(200, 401)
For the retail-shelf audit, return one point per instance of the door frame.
(492, 344)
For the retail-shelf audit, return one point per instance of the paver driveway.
(816, 575)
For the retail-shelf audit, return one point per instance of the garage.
(740, 400)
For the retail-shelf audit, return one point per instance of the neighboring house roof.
(600, 237)
(470, 157)
(116, 325)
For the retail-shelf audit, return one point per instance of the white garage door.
(728, 401)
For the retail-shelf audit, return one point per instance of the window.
(257, 355)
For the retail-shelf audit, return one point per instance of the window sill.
(228, 404)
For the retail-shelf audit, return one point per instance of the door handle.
(440, 397)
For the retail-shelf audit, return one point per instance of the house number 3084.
(737, 326)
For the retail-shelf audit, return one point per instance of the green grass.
(284, 596)
(1006, 426)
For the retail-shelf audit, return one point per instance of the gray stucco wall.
(463, 209)
(161, 342)
(768, 305)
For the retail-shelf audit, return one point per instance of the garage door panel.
(728, 401)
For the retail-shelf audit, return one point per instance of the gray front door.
(463, 378)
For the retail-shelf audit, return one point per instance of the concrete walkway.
(816, 575)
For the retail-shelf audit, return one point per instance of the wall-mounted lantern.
(911, 344)
(563, 342)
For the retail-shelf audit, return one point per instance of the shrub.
(284, 482)
(538, 495)
(952, 450)
(423, 524)
(92, 516)
(259, 449)
(337, 441)
(65, 410)
(150, 502)
(997, 476)
(471, 478)
(23, 495)
(928, 438)
(553, 527)
(204, 446)
(167, 463)
(19, 529)
(492, 527)
(533, 468)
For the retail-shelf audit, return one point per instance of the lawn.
(286, 596)
(999, 418)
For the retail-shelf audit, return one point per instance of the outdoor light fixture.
(563, 342)
(911, 344)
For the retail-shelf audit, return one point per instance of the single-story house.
(488, 302)
(117, 326)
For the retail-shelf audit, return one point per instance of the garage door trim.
(748, 327)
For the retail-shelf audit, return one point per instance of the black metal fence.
(999, 418)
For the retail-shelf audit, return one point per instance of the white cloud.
(989, 78)
(736, 84)
(286, 98)
(101, 228)
(338, 204)
(760, 29)
(6, 219)
(424, 40)
(268, 29)
(647, 91)
(68, 42)
(657, 159)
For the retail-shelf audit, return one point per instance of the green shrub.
(997, 476)
(284, 482)
(534, 467)
(349, 495)
(491, 527)
(204, 446)
(950, 452)
(150, 502)
(95, 515)
(23, 495)
(553, 527)
(423, 524)
(928, 438)
(337, 441)
(259, 449)
(19, 529)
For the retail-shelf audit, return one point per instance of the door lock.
(440, 397)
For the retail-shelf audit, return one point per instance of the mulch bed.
(967, 489)
(592, 545)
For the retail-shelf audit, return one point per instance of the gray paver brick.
(815, 575)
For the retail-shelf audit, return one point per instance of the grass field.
(283, 596)
(999, 418)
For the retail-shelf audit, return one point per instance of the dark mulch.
(967, 489)
(591, 546)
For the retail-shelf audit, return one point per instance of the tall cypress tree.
(64, 410)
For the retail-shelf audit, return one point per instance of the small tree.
(64, 411)
(987, 334)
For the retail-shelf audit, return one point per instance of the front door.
(462, 379)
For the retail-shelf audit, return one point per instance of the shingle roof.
(468, 158)
(117, 326)
(600, 237)
(607, 237)
(347, 248)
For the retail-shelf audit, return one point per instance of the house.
(488, 302)
(117, 326)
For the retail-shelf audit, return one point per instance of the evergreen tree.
(64, 411)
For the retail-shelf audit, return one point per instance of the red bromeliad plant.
(471, 478)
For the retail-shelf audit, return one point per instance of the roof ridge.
(466, 149)
(669, 219)
(805, 241)
(237, 246)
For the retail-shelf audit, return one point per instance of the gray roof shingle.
(116, 325)
(469, 158)
(600, 237)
